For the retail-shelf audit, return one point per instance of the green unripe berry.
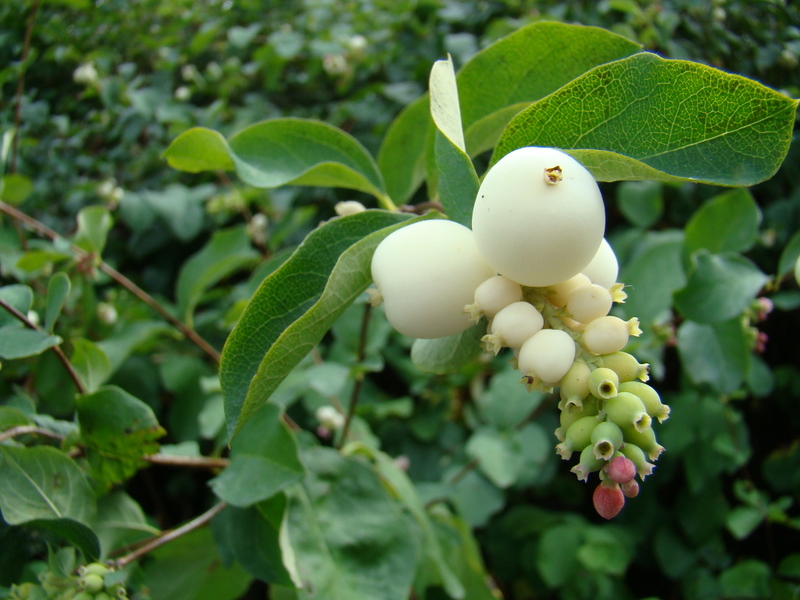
(606, 439)
(649, 397)
(638, 458)
(645, 439)
(578, 436)
(572, 412)
(589, 463)
(575, 385)
(603, 383)
(626, 366)
(96, 568)
(627, 410)
(102, 596)
(83, 595)
(92, 583)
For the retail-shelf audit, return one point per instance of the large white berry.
(547, 356)
(426, 273)
(603, 268)
(538, 217)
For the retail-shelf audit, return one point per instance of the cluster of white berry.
(535, 265)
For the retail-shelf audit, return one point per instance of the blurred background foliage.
(107, 86)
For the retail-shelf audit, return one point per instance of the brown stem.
(134, 289)
(172, 534)
(200, 462)
(360, 355)
(57, 349)
(26, 48)
(26, 430)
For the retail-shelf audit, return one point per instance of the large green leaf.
(295, 306)
(448, 354)
(728, 222)
(494, 85)
(281, 152)
(264, 460)
(16, 341)
(715, 354)
(645, 117)
(228, 251)
(117, 430)
(349, 537)
(719, 288)
(43, 487)
(252, 536)
(190, 568)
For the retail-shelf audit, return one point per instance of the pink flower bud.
(620, 469)
(608, 499)
(630, 488)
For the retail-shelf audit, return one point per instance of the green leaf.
(506, 402)
(18, 342)
(12, 417)
(748, 578)
(645, 117)
(199, 149)
(57, 290)
(557, 556)
(281, 152)
(494, 85)
(15, 188)
(323, 276)
(18, 296)
(448, 354)
(228, 251)
(720, 287)
(714, 354)
(94, 223)
(641, 202)
(43, 487)
(120, 521)
(458, 181)
(190, 568)
(433, 562)
(653, 274)
(252, 536)
(90, 362)
(264, 460)
(180, 207)
(350, 538)
(496, 454)
(789, 256)
(727, 222)
(117, 430)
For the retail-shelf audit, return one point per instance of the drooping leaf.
(350, 538)
(190, 568)
(57, 290)
(16, 341)
(18, 296)
(727, 222)
(117, 430)
(43, 487)
(264, 460)
(94, 223)
(281, 152)
(717, 353)
(448, 354)
(458, 182)
(228, 251)
(295, 306)
(252, 536)
(719, 287)
(494, 85)
(90, 362)
(645, 117)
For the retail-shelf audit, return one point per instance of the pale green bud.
(606, 439)
(603, 383)
(589, 463)
(649, 397)
(625, 365)
(627, 410)
(578, 436)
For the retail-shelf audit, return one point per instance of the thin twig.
(28, 430)
(134, 289)
(73, 374)
(200, 462)
(26, 48)
(360, 355)
(172, 534)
